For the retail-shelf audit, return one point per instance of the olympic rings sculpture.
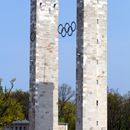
(67, 29)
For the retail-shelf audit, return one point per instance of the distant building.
(18, 125)
(24, 125)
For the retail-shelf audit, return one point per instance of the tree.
(126, 112)
(22, 98)
(65, 94)
(70, 114)
(115, 109)
(10, 109)
(67, 107)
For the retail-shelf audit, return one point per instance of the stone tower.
(91, 63)
(44, 65)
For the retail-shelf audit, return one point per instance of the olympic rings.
(67, 29)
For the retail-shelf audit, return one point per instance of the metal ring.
(73, 27)
(63, 34)
(60, 31)
(70, 31)
(67, 28)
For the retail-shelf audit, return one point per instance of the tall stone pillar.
(44, 65)
(91, 65)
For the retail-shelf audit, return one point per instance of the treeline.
(118, 111)
(10, 108)
(15, 106)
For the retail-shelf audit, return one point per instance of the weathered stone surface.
(91, 65)
(91, 77)
(63, 126)
(44, 106)
(44, 59)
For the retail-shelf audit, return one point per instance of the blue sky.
(14, 43)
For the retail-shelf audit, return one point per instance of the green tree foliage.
(126, 112)
(65, 94)
(22, 98)
(67, 107)
(118, 111)
(10, 109)
(115, 109)
(70, 114)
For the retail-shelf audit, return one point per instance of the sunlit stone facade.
(44, 65)
(91, 69)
